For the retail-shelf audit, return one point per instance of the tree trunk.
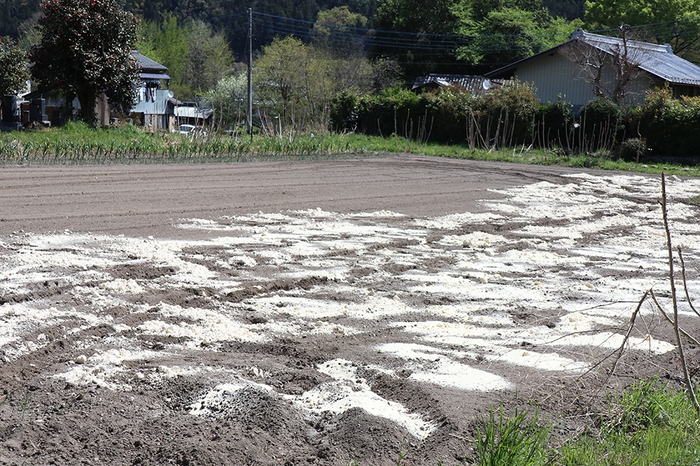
(87, 98)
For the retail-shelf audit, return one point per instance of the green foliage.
(498, 118)
(85, 49)
(668, 125)
(600, 122)
(295, 84)
(336, 29)
(228, 100)
(208, 58)
(520, 440)
(344, 111)
(506, 116)
(197, 57)
(14, 14)
(682, 17)
(422, 17)
(554, 124)
(504, 31)
(168, 44)
(633, 149)
(13, 67)
(647, 425)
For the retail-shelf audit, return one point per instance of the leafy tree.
(209, 58)
(424, 49)
(335, 28)
(196, 57)
(14, 13)
(168, 44)
(676, 22)
(228, 100)
(13, 67)
(85, 49)
(504, 31)
(295, 83)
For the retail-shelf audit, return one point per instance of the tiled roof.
(148, 65)
(474, 84)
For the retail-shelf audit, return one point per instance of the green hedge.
(499, 118)
(669, 127)
(511, 116)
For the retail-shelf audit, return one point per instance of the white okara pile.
(562, 261)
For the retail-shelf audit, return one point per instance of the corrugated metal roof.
(658, 60)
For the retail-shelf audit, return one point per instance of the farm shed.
(591, 65)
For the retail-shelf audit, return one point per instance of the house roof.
(150, 69)
(657, 60)
(474, 84)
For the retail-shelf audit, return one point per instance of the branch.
(676, 328)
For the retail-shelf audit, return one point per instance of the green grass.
(520, 440)
(647, 425)
(77, 143)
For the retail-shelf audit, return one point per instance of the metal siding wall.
(554, 76)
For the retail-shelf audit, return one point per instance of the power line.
(421, 42)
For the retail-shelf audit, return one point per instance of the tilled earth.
(323, 312)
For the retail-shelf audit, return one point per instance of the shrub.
(344, 110)
(670, 125)
(600, 123)
(506, 116)
(632, 149)
(554, 123)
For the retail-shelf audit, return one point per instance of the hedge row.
(511, 116)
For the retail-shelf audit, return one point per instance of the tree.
(429, 43)
(676, 22)
(197, 57)
(505, 31)
(13, 67)
(622, 60)
(337, 29)
(295, 83)
(228, 100)
(168, 44)
(209, 58)
(85, 49)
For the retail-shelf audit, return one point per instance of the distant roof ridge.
(580, 34)
(148, 64)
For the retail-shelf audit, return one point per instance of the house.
(477, 85)
(155, 105)
(591, 65)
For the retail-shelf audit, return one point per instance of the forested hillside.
(17, 16)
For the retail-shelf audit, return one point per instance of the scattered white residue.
(547, 279)
(350, 391)
(222, 398)
(432, 365)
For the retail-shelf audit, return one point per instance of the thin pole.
(250, 72)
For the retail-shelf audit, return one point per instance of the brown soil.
(44, 420)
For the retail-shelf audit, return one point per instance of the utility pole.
(250, 72)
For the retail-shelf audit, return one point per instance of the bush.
(670, 126)
(632, 149)
(344, 112)
(554, 123)
(506, 116)
(600, 123)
